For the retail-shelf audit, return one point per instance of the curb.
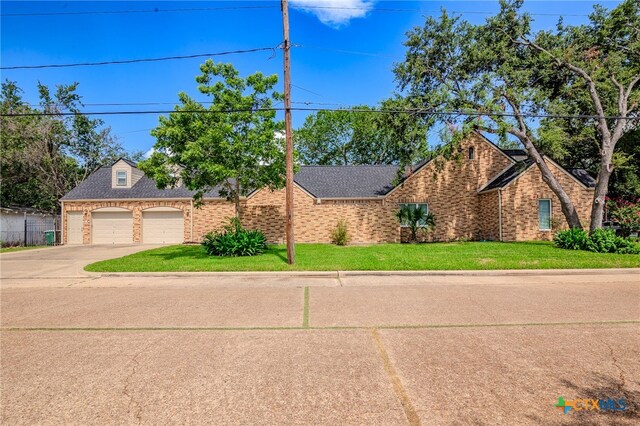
(340, 274)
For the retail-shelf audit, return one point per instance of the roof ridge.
(349, 165)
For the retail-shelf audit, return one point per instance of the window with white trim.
(121, 178)
(544, 214)
(423, 206)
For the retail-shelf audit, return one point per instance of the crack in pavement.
(614, 361)
(127, 383)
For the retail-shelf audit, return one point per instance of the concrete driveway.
(62, 261)
(313, 349)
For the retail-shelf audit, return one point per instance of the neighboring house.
(489, 194)
(25, 225)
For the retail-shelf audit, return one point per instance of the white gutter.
(500, 214)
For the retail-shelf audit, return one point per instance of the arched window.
(472, 153)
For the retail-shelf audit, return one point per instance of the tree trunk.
(568, 209)
(601, 190)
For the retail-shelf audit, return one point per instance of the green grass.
(382, 257)
(12, 249)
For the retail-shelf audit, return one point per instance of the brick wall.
(135, 206)
(368, 221)
(488, 217)
(450, 189)
(520, 205)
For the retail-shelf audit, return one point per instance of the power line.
(355, 110)
(207, 9)
(389, 9)
(203, 102)
(121, 12)
(131, 61)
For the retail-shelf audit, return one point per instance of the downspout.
(62, 215)
(500, 214)
(191, 232)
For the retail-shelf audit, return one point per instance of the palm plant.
(415, 217)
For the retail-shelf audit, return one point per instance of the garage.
(112, 226)
(162, 225)
(74, 228)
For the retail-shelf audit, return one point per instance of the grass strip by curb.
(320, 328)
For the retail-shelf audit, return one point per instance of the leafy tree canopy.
(499, 75)
(364, 136)
(232, 144)
(43, 157)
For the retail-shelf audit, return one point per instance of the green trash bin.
(50, 237)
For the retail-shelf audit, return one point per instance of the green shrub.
(626, 246)
(234, 241)
(602, 241)
(340, 235)
(571, 239)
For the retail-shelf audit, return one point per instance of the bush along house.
(487, 194)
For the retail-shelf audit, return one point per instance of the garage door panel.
(112, 228)
(162, 227)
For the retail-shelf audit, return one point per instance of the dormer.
(124, 174)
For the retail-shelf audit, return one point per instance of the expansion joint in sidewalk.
(398, 388)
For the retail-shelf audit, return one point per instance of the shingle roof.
(583, 176)
(516, 154)
(508, 175)
(98, 187)
(346, 181)
(319, 181)
(520, 167)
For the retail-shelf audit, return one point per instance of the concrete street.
(325, 348)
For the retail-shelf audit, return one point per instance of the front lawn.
(382, 257)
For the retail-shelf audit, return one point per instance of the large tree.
(363, 135)
(233, 144)
(593, 69)
(44, 156)
(498, 80)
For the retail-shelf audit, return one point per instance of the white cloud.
(148, 153)
(335, 13)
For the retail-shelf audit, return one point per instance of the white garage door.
(74, 228)
(162, 227)
(112, 227)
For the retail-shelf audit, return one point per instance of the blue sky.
(320, 72)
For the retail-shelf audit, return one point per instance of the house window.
(423, 206)
(544, 215)
(121, 178)
(472, 153)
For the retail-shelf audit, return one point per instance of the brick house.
(488, 194)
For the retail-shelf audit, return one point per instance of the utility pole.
(291, 250)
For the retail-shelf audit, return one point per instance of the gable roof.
(516, 170)
(129, 162)
(98, 187)
(319, 181)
